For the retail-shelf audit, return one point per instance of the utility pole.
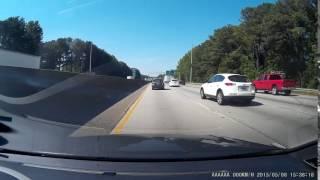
(90, 61)
(191, 66)
(318, 45)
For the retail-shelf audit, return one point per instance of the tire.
(274, 90)
(287, 93)
(220, 98)
(202, 95)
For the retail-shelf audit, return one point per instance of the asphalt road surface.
(86, 106)
(281, 120)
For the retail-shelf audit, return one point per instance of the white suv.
(225, 87)
(174, 83)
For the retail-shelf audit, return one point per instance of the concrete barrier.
(20, 82)
(61, 97)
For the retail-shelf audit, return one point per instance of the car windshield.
(157, 78)
(275, 77)
(238, 78)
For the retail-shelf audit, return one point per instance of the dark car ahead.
(157, 84)
(182, 82)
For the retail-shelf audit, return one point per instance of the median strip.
(118, 129)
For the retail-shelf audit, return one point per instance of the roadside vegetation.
(63, 54)
(270, 37)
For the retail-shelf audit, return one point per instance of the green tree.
(67, 54)
(279, 36)
(17, 35)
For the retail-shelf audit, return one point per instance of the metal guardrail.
(305, 89)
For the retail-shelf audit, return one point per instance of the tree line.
(63, 54)
(18, 35)
(270, 37)
(73, 55)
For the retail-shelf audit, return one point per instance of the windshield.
(157, 80)
(121, 77)
(237, 78)
(275, 77)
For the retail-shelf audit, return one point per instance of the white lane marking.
(235, 120)
(278, 145)
(204, 106)
(14, 173)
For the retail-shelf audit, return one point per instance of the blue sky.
(151, 35)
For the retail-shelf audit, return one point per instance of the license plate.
(243, 88)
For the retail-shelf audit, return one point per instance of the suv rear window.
(275, 77)
(238, 78)
(157, 80)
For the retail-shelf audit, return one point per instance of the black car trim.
(110, 159)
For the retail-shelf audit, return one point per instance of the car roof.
(229, 74)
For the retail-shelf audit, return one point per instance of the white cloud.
(70, 9)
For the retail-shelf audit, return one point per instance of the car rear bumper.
(240, 94)
(157, 87)
(239, 97)
(243, 96)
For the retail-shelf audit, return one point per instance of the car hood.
(134, 147)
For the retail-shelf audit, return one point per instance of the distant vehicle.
(167, 78)
(318, 109)
(274, 82)
(130, 77)
(182, 82)
(157, 84)
(224, 87)
(174, 83)
(136, 73)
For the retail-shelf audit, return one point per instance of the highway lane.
(288, 121)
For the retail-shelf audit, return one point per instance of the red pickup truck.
(274, 83)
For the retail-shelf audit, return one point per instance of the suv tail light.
(229, 84)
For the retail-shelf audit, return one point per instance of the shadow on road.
(5, 129)
(238, 103)
(165, 89)
(3, 141)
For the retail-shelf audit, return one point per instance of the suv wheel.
(202, 95)
(220, 98)
(287, 93)
(274, 90)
